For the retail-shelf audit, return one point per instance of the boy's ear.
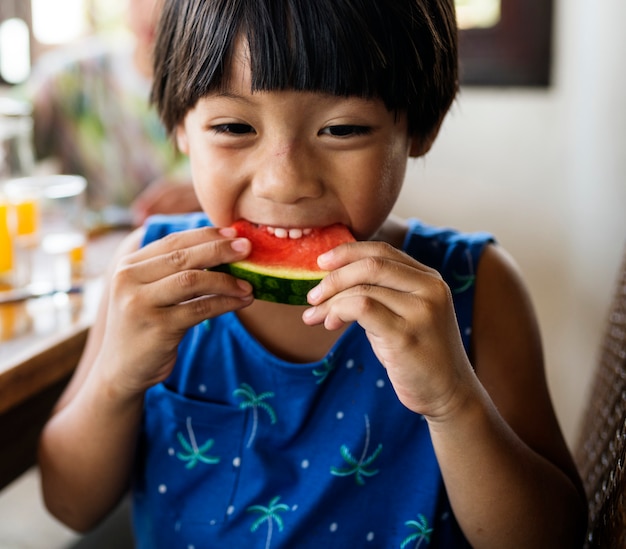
(420, 144)
(181, 139)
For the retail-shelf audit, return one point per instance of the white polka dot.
(237, 462)
(333, 527)
(162, 489)
(380, 383)
(294, 508)
(213, 522)
(230, 510)
(202, 388)
(305, 464)
(370, 536)
(350, 364)
(191, 547)
(340, 415)
(171, 451)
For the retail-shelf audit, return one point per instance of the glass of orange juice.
(50, 215)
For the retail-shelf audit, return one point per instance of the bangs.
(392, 50)
(315, 49)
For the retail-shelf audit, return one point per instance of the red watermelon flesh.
(301, 253)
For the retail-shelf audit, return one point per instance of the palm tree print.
(270, 515)
(322, 373)
(422, 532)
(358, 467)
(192, 452)
(254, 401)
(465, 281)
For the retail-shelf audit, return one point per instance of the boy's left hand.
(407, 312)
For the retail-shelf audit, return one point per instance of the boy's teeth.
(294, 234)
(281, 233)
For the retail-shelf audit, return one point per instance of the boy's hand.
(160, 291)
(407, 312)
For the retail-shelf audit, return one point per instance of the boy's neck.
(393, 231)
(279, 328)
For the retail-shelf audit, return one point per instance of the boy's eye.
(345, 130)
(235, 129)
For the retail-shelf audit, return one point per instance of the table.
(41, 341)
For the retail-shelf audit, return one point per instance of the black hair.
(402, 51)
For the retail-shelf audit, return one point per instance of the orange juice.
(6, 246)
(77, 256)
(27, 215)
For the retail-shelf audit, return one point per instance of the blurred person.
(92, 115)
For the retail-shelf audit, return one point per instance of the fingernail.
(308, 313)
(240, 245)
(314, 293)
(324, 258)
(228, 232)
(245, 286)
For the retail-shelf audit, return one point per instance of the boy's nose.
(287, 174)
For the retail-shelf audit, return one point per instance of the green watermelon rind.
(276, 284)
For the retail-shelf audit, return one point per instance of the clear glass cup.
(17, 158)
(48, 229)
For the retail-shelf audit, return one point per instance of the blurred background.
(532, 151)
(543, 167)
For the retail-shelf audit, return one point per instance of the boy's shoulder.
(437, 246)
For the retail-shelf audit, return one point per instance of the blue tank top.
(241, 449)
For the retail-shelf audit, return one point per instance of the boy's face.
(295, 159)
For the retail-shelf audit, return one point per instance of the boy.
(395, 410)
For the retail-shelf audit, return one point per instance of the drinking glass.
(48, 228)
(17, 158)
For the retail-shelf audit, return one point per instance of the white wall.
(544, 170)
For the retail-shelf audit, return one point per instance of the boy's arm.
(509, 475)
(155, 294)
(505, 463)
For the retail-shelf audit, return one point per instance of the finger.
(350, 252)
(179, 240)
(189, 313)
(204, 255)
(195, 283)
(371, 271)
(375, 308)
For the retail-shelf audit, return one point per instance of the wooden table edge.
(35, 370)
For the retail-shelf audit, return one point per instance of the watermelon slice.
(281, 268)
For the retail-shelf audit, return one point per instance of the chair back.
(600, 452)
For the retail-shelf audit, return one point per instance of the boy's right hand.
(157, 293)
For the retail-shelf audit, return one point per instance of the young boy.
(405, 407)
